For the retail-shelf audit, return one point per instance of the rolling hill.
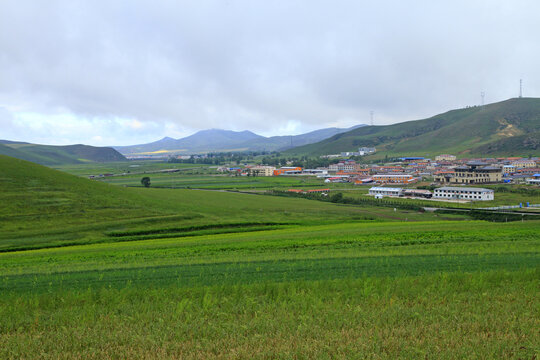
(217, 140)
(507, 128)
(58, 155)
(43, 207)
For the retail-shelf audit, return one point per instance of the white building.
(385, 191)
(262, 171)
(445, 157)
(463, 193)
(366, 150)
(343, 166)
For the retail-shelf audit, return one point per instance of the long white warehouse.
(463, 193)
(385, 191)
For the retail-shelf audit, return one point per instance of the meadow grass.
(95, 271)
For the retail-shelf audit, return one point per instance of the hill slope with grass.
(59, 155)
(42, 207)
(507, 128)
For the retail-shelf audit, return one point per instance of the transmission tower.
(482, 95)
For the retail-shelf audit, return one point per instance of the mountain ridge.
(509, 127)
(216, 140)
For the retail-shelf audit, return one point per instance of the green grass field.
(95, 271)
(122, 167)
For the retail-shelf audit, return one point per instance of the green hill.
(507, 128)
(43, 207)
(58, 155)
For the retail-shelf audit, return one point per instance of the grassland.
(57, 155)
(334, 291)
(46, 208)
(95, 271)
(507, 128)
(134, 168)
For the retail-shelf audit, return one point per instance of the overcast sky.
(126, 72)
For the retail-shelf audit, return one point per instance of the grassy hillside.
(505, 128)
(58, 155)
(44, 207)
(95, 271)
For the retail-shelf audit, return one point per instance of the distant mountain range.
(216, 140)
(507, 128)
(57, 155)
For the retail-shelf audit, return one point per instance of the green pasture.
(90, 270)
(374, 290)
(218, 182)
(124, 167)
(43, 208)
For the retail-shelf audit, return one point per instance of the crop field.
(122, 167)
(382, 290)
(95, 271)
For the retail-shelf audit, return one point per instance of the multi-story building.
(463, 193)
(445, 157)
(443, 176)
(261, 171)
(508, 169)
(476, 173)
(524, 163)
(348, 165)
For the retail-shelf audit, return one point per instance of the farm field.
(382, 290)
(96, 271)
(122, 167)
(218, 182)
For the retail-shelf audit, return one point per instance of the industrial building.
(287, 170)
(418, 193)
(385, 191)
(463, 193)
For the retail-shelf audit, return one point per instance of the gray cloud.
(175, 67)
